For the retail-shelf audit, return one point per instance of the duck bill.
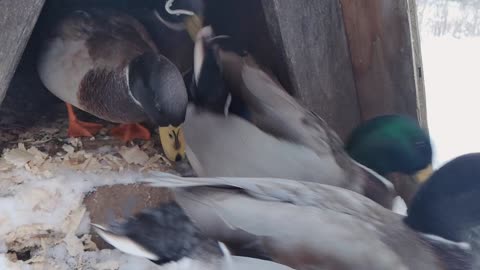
(194, 25)
(423, 175)
(173, 142)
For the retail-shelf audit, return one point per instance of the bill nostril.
(178, 157)
(177, 144)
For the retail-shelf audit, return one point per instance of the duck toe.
(129, 132)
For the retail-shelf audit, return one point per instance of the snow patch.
(46, 216)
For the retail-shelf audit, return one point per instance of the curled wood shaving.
(18, 157)
(133, 155)
(108, 265)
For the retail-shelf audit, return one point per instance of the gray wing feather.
(286, 220)
(300, 193)
(231, 146)
(251, 263)
(283, 231)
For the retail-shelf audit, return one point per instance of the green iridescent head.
(392, 144)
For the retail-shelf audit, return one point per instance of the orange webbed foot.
(128, 132)
(77, 128)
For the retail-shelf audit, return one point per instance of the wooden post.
(380, 40)
(311, 37)
(386, 66)
(17, 19)
(417, 61)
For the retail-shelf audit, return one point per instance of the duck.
(181, 15)
(172, 24)
(393, 145)
(103, 62)
(241, 122)
(167, 237)
(307, 225)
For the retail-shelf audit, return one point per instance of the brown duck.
(104, 62)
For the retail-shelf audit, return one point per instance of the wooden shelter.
(347, 60)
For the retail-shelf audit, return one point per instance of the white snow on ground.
(42, 211)
(57, 258)
(452, 82)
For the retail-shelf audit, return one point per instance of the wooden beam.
(380, 44)
(386, 66)
(418, 63)
(17, 20)
(311, 38)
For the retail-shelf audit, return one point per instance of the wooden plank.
(17, 20)
(386, 66)
(379, 38)
(418, 63)
(311, 37)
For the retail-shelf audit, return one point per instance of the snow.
(99, 260)
(42, 211)
(452, 82)
(452, 78)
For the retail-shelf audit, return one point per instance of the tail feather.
(123, 243)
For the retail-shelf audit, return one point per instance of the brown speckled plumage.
(87, 62)
(93, 97)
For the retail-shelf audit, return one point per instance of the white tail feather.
(124, 243)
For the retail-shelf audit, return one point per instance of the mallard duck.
(103, 62)
(266, 132)
(402, 145)
(181, 15)
(173, 24)
(307, 225)
(168, 237)
(393, 145)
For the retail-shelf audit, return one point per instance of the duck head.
(391, 144)
(209, 88)
(447, 204)
(158, 88)
(181, 15)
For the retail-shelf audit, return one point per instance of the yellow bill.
(194, 25)
(423, 175)
(173, 142)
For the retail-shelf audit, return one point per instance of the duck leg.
(77, 128)
(128, 132)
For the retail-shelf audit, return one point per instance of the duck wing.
(111, 38)
(299, 224)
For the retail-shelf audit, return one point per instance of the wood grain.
(418, 63)
(311, 37)
(380, 41)
(17, 20)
